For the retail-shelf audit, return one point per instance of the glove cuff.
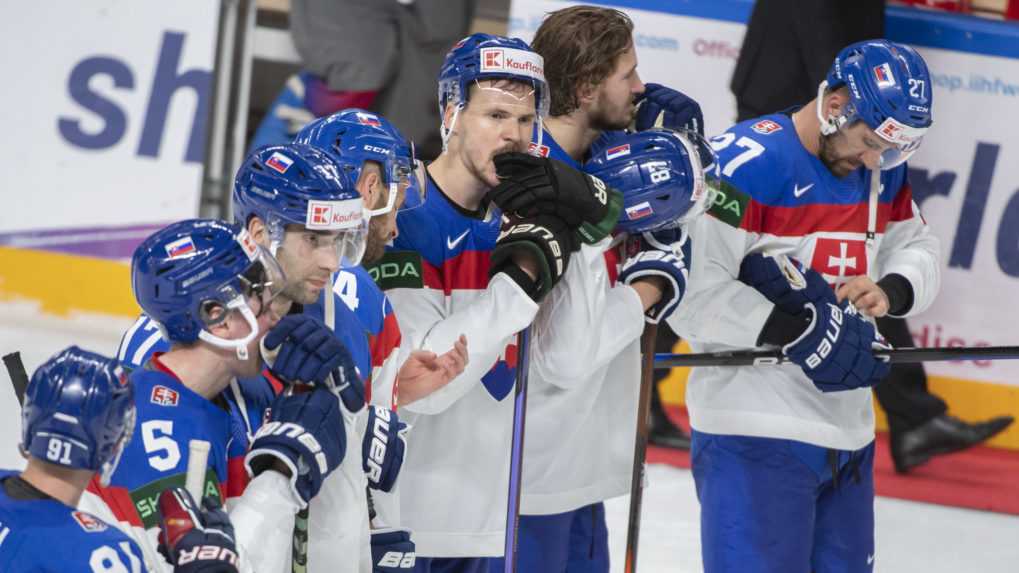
(259, 460)
(593, 233)
(670, 297)
(502, 262)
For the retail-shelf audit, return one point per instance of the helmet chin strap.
(829, 124)
(239, 345)
(444, 132)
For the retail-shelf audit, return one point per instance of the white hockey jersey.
(455, 476)
(776, 197)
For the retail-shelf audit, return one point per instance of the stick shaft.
(647, 356)
(895, 356)
(517, 450)
(198, 461)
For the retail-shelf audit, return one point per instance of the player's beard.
(375, 245)
(605, 117)
(840, 166)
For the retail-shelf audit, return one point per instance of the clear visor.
(521, 96)
(400, 175)
(704, 172)
(905, 141)
(110, 466)
(339, 227)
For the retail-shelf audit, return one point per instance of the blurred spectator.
(382, 55)
(788, 48)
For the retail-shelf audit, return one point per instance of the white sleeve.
(500, 311)
(717, 307)
(585, 322)
(263, 519)
(908, 248)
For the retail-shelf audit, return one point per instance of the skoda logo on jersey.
(279, 162)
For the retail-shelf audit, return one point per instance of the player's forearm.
(501, 311)
(263, 521)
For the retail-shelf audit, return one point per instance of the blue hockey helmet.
(354, 136)
(485, 57)
(890, 90)
(661, 173)
(297, 184)
(79, 412)
(191, 274)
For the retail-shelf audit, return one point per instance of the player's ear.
(258, 231)
(586, 94)
(835, 101)
(370, 186)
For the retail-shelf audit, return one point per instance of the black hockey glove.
(546, 239)
(531, 186)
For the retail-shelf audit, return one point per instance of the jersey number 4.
(753, 149)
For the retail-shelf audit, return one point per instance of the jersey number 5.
(753, 149)
(166, 450)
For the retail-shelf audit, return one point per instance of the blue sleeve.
(140, 342)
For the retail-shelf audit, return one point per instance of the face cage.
(890, 158)
(450, 92)
(264, 280)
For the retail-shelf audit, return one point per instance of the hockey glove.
(392, 551)
(531, 186)
(660, 106)
(300, 349)
(785, 281)
(385, 441)
(195, 539)
(837, 350)
(306, 433)
(546, 239)
(663, 254)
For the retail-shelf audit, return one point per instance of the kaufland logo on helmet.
(512, 61)
(883, 75)
(333, 215)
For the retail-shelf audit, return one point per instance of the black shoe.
(664, 433)
(941, 435)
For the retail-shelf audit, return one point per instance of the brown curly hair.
(580, 46)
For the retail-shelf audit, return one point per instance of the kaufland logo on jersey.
(163, 396)
(513, 61)
(182, 247)
(617, 151)
(883, 75)
(334, 215)
(279, 162)
(89, 523)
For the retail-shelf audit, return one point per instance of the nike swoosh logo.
(797, 190)
(452, 243)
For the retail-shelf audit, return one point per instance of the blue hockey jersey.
(46, 536)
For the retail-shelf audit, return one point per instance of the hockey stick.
(517, 450)
(198, 461)
(647, 356)
(894, 356)
(19, 378)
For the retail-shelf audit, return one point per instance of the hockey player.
(589, 400)
(460, 275)
(79, 413)
(211, 289)
(826, 184)
(382, 164)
